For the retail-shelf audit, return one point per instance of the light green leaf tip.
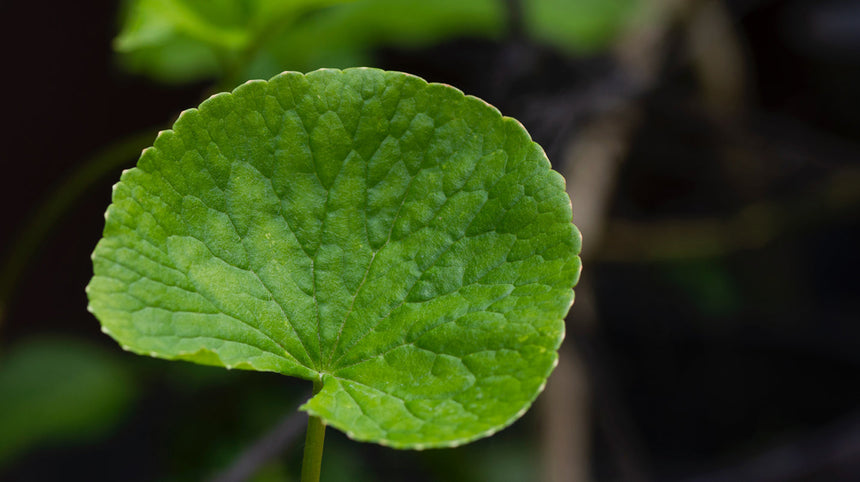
(397, 239)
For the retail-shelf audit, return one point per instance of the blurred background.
(712, 150)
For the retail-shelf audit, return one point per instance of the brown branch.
(716, 57)
(591, 164)
(270, 446)
(753, 227)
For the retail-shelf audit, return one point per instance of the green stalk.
(57, 203)
(314, 439)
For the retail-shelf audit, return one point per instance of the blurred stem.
(312, 461)
(591, 165)
(716, 55)
(236, 68)
(61, 198)
(267, 448)
(516, 29)
(832, 199)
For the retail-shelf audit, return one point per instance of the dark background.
(741, 364)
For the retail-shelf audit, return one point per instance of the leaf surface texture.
(402, 242)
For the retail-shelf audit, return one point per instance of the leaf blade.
(420, 263)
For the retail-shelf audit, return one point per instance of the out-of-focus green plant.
(58, 390)
(187, 40)
(345, 35)
(579, 26)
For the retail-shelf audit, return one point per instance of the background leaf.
(58, 389)
(400, 241)
(183, 40)
(579, 26)
(187, 40)
(346, 35)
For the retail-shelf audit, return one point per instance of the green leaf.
(345, 36)
(58, 390)
(398, 240)
(580, 26)
(184, 40)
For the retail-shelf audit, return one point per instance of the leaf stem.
(312, 461)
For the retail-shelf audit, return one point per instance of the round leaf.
(400, 242)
